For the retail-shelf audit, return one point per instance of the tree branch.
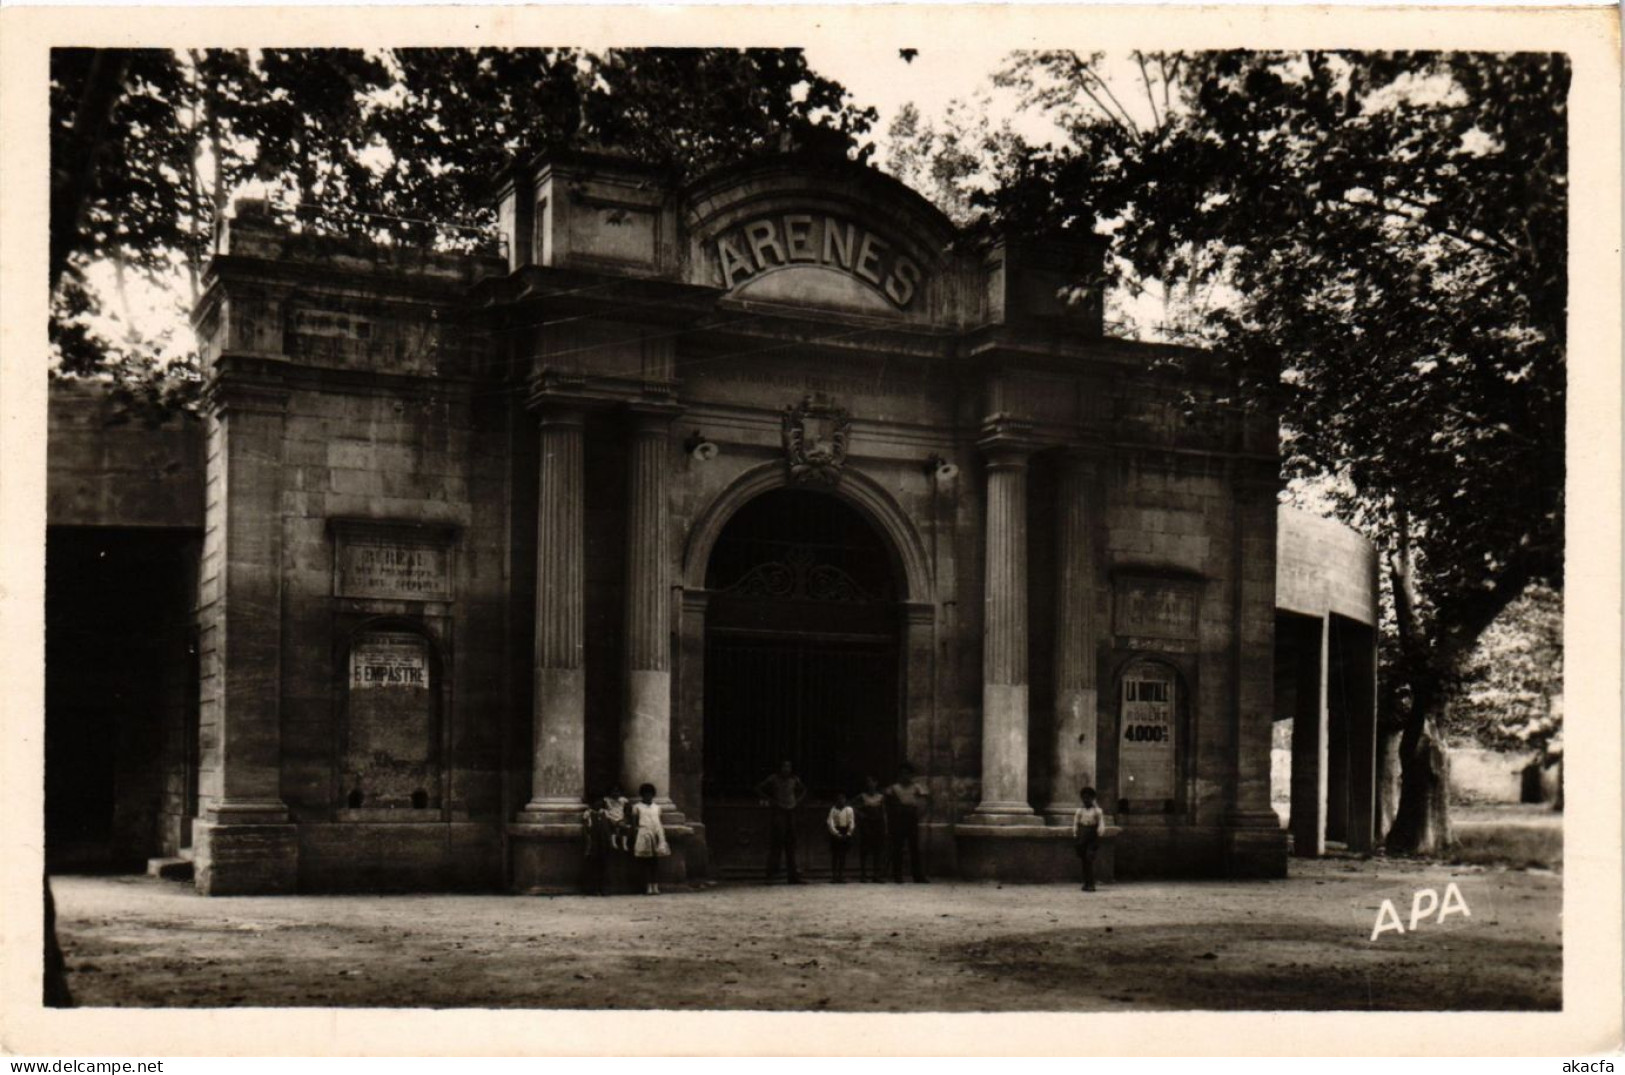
(1083, 73)
(73, 179)
(1145, 79)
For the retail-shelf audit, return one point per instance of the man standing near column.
(906, 798)
(781, 793)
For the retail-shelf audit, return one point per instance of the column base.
(988, 813)
(669, 813)
(1254, 845)
(1038, 853)
(551, 812)
(1061, 813)
(233, 859)
(548, 860)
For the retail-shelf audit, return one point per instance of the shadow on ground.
(1300, 944)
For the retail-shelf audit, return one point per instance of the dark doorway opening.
(121, 681)
(802, 662)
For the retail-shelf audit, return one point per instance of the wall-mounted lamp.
(939, 468)
(698, 448)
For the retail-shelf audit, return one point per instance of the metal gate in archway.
(802, 663)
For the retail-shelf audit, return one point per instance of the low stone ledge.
(547, 859)
(1028, 853)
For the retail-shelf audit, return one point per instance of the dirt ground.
(1302, 943)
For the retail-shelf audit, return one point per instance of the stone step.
(171, 869)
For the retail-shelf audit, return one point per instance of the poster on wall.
(1147, 742)
(389, 659)
(391, 730)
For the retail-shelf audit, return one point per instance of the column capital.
(1007, 441)
(651, 417)
(236, 394)
(1084, 455)
(552, 413)
(561, 394)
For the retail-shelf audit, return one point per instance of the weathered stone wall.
(1324, 567)
(344, 399)
(370, 398)
(111, 468)
(124, 512)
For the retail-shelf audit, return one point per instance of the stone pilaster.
(1255, 843)
(1076, 738)
(1004, 639)
(558, 759)
(243, 840)
(646, 720)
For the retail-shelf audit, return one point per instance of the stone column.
(558, 758)
(646, 720)
(1076, 735)
(1004, 638)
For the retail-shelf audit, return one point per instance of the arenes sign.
(767, 243)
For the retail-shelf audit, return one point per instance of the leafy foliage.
(1391, 231)
(401, 145)
(1510, 694)
(955, 165)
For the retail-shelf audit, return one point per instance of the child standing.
(841, 824)
(871, 830)
(1086, 825)
(650, 846)
(599, 834)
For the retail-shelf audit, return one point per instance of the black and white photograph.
(874, 513)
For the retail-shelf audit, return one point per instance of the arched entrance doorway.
(802, 661)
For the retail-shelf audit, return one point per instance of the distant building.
(775, 465)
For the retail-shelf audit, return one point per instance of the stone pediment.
(792, 234)
(828, 234)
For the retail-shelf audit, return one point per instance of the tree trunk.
(1422, 822)
(1388, 768)
(1426, 670)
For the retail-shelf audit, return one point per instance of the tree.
(1509, 696)
(1391, 229)
(954, 164)
(149, 147)
(179, 132)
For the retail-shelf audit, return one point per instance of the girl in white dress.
(651, 844)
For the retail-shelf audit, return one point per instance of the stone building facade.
(773, 465)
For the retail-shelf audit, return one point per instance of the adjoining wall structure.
(1326, 680)
(772, 465)
(124, 506)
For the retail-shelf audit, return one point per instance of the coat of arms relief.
(815, 438)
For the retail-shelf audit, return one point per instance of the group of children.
(613, 824)
(880, 818)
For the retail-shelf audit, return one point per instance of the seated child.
(620, 821)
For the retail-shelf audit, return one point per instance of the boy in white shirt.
(841, 823)
(1086, 825)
